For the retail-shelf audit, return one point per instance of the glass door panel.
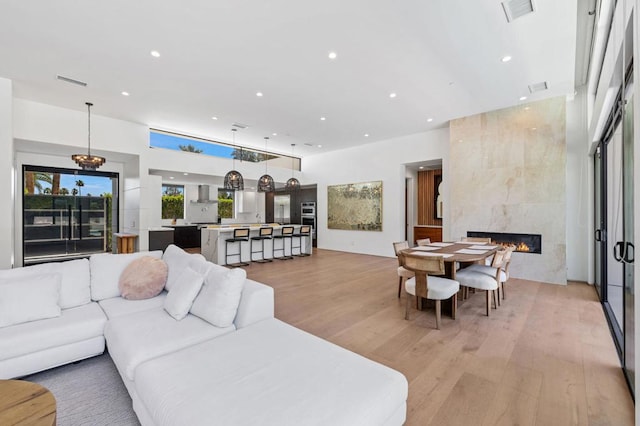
(599, 232)
(614, 222)
(67, 213)
(627, 247)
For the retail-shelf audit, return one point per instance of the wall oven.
(308, 209)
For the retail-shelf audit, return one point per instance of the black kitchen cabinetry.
(186, 236)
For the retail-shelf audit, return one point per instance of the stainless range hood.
(203, 195)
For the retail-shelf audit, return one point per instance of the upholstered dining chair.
(472, 278)
(427, 286)
(403, 274)
(491, 269)
(424, 242)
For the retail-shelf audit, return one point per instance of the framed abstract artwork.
(355, 206)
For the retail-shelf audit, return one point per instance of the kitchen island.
(213, 240)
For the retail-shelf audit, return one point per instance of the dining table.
(456, 253)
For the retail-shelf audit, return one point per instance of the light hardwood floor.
(545, 357)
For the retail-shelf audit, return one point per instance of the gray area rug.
(90, 392)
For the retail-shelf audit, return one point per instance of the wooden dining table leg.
(454, 305)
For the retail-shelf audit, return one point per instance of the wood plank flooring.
(545, 357)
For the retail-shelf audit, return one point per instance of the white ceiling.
(441, 57)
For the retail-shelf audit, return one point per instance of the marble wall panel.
(508, 175)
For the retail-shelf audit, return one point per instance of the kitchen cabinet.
(186, 236)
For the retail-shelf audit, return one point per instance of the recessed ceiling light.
(506, 58)
(259, 94)
(421, 167)
(319, 146)
(366, 135)
(214, 118)
(523, 98)
(392, 95)
(155, 53)
(125, 93)
(429, 120)
(333, 55)
(186, 174)
(274, 134)
(323, 118)
(171, 177)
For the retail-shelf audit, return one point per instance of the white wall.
(372, 162)
(579, 185)
(6, 173)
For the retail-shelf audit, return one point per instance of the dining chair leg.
(399, 286)
(503, 293)
(496, 299)
(406, 308)
(438, 311)
(488, 302)
(454, 306)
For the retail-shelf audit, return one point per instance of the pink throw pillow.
(143, 278)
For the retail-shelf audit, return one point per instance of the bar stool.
(265, 233)
(239, 236)
(304, 231)
(285, 233)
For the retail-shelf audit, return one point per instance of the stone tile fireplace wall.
(507, 174)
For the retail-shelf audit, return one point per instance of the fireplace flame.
(522, 247)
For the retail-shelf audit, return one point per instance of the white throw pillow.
(29, 298)
(106, 269)
(74, 279)
(178, 260)
(220, 296)
(181, 296)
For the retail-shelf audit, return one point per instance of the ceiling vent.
(71, 80)
(517, 8)
(538, 87)
(240, 125)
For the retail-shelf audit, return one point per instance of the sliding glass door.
(67, 213)
(614, 227)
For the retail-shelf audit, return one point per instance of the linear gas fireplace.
(525, 243)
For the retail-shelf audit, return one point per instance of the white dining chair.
(403, 274)
(427, 286)
(472, 278)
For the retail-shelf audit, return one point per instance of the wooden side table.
(126, 242)
(26, 403)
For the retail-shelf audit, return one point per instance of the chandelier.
(265, 183)
(292, 184)
(88, 161)
(233, 180)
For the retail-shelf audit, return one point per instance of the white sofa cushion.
(118, 306)
(219, 298)
(269, 374)
(74, 286)
(183, 293)
(106, 269)
(29, 298)
(73, 325)
(438, 288)
(178, 260)
(136, 338)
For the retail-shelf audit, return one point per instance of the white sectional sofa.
(253, 370)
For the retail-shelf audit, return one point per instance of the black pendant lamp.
(265, 183)
(292, 184)
(88, 161)
(233, 180)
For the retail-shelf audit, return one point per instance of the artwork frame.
(355, 206)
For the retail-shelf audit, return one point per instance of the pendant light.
(233, 180)
(292, 184)
(88, 161)
(265, 183)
